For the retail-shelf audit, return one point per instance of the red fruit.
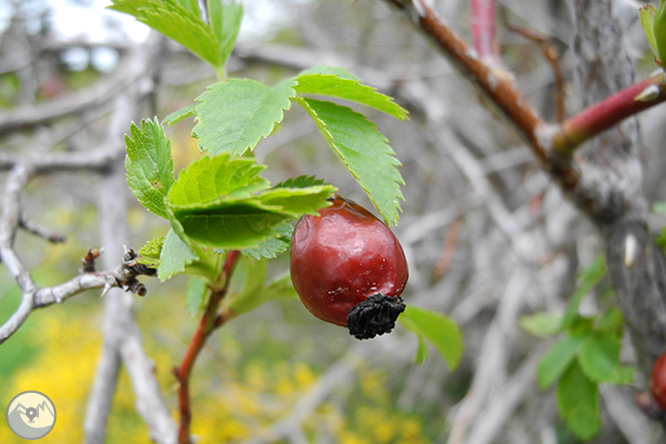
(658, 382)
(349, 269)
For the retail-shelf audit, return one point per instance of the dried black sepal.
(374, 316)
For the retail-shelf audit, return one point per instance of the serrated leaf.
(180, 24)
(542, 325)
(223, 202)
(198, 294)
(300, 182)
(660, 31)
(270, 248)
(210, 178)
(225, 20)
(149, 165)
(278, 289)
(348, 89)
(330, 70)
(174, 257)
(180, 114)
(578, 402)
(232, 116)
(296, 202)
(440, 330)
(598, 356)
(150, 252)
(363, 150)
(646, 14)
(587, 279)
(558, 358)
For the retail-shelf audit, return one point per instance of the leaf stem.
(210, 320)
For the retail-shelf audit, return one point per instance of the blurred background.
(488, 237)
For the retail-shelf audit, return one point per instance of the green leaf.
(578, 402)
(587, 279)
(646, 14)
(330, 70)
(225, 20)
(660, 31)
(300, 182)
(623, 374)
(150, 252)
(558, 358)
(233, 115)
(211, 178)
(149, 165)
(661, 239)
(542, 325)
(348, 89)
(270, 248)
(421, 351)
(179, 23)
(198, 294)
(440, 330)
(363, 150)
(278, 289)
(599, 355)
(180, 114)
(223, 202)
(612, 322)
(175, 256)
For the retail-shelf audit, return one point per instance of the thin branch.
(39, 231)
(484, 38)
(210, 320)
(553, 56)
(609, 112)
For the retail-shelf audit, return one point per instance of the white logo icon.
(31, 415)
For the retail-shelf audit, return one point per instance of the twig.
(39, 231)
(553, 56)
(484, 38)
(449, 250)
(210, 320)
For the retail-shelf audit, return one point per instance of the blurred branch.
(484, 38)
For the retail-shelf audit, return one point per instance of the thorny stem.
(609, 112)
(210, 320)
(484, 38)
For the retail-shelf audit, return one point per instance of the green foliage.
(150, 252)
(363, 150)
(174, 257)
(587, 355)
(149, 165)
(653, 22)
(235, 114)
(438, 329)
(646, 14)
(180, 20)
(331, 85)
(222, 201)
(578, 402)
(198, 294)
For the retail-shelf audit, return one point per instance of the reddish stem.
(484, 38)
(210, 320)
(609, 112)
